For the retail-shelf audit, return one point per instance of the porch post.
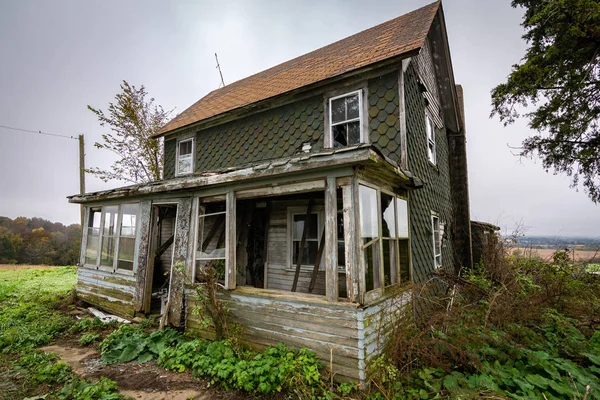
(142, 258)
(231, 240)
(180, 252)
(350, 243)
(331, 259)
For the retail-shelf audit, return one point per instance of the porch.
(313, 252)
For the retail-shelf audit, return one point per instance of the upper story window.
(430, 139)
(437, 233)
(345, 119)
(185, 158)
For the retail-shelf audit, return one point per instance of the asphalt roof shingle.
(381, 42)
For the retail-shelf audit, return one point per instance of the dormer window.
(345, 119)
(430, 139)
(185, 159)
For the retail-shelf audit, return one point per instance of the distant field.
(580, 255)
(11, 267)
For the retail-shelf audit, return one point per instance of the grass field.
(546, 254)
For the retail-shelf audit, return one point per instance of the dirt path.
(139, 381)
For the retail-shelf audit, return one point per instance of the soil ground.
(139, 381)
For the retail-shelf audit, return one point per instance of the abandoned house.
(320, 188)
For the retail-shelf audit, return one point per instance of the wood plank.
(107, 292)
(181, 245)
(350, 248)
(279, 190)
(231, 221)
(144, 230)
(315, 272)
(266, 245)
(302, 242)
(331, 242)
(360, 264)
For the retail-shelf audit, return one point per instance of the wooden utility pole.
(81, 174)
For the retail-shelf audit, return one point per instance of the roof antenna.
(219, 68)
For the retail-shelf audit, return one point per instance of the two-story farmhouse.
(319, 187)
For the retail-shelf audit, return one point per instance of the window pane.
(390, 260)
(184, 164)
(126, 252)
(388, 216)
(211, 237)
(429, 126)
(353, 133)
(309, 254)
(369, 223)
(299, 226)
(371, 255)
(340, 234)
(108, 251)
(402, 217)
(352, 105)
(340, 135)
(110, 220)
(404, 265)
(91, 249)
(185, 148)
(338, 110)
(94, 220)
(129, 219)
(341, 254)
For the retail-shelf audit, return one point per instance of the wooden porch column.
(178, 268)
(142, 256)
(231, 240)
(331, 259)
(350, 242)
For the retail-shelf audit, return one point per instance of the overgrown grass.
(32, 313)
(514, 327)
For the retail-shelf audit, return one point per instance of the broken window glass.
(346, 119)
(93, 237)
(129, 214)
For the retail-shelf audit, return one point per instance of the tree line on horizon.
(38, 241)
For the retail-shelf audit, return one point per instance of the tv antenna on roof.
(219, 68)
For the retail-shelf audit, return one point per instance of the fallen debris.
(107, 317)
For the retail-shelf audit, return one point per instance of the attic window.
(185, 160)
(430, 139)
(345, 119)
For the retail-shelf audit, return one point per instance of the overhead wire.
(39, 132)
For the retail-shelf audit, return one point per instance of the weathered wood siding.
(108, 291)
(270, 318)
(280, 273)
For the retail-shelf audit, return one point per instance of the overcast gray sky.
(59, 56)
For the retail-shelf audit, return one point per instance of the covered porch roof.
(364, 155)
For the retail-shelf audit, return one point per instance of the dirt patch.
(74, 356)
(140, 381)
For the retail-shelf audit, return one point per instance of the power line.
(39, 132)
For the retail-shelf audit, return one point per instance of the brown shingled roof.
(381, 42)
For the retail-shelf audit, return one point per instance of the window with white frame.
(437, 232)
(93, 236)
(431, 153)
(345, 119)
(384, 237)
(301, 221)
(111, 237)
(185, 158)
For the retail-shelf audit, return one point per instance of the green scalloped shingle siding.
(269, 135)
(170, 154)
(435, 194)
(384, 124)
